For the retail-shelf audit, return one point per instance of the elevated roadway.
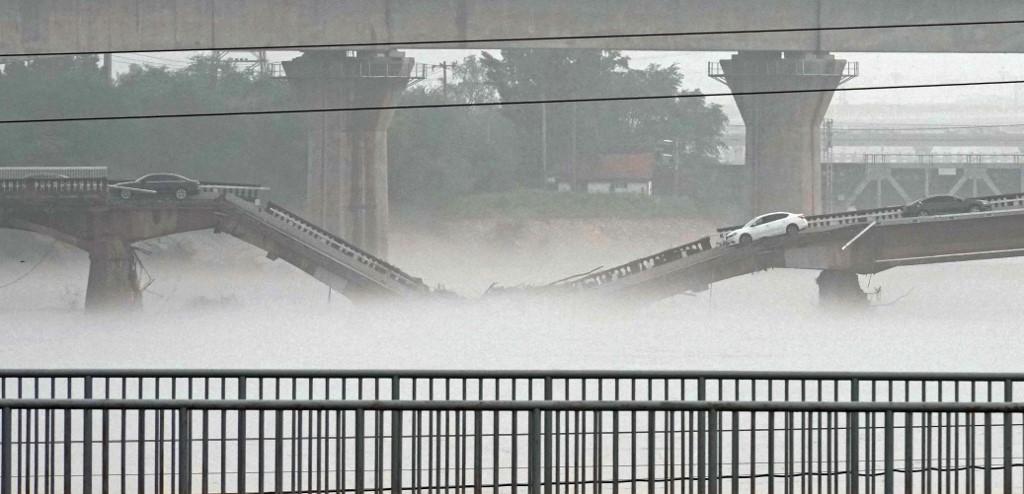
(47, 26)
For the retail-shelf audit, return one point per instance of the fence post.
(241, 468)
(548, 465)
(908, 445)
(651, 443)
(478, 452)
(278, 451)
(184, 452)
(396, 451)
(890, 451)
(853, 442)
(1008, 438)
(701, 453)
(5, 452)
(988, 453)
(534, 452)
(360, 466)
(712, 452)
(87, 441)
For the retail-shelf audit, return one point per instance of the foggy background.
(215, 302)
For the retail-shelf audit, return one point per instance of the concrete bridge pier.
(113, 277)
(783, 141)
(347, 162)
(840, 289)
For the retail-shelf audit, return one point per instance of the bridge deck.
(328, 258)
(862, 241)
(84, 210)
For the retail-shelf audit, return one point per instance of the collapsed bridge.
(76, 206)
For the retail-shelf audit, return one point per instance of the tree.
(578, 131)
(435, 154)
(264, 149)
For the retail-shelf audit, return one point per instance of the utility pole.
(827, 158)
(108, 67)
(675, 160)
(544, 138)
(572, 162)
(444, 79)
(215, 56)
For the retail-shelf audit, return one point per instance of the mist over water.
(227, 307)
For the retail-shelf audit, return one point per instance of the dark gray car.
(169, 184)
(935, 205)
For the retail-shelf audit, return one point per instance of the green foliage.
(436, 156)
(593, 129)
(266, 149)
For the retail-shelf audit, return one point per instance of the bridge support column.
(113, 277)
(347, 162)
(840, 289)
(783, 142)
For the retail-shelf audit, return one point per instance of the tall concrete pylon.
(347, 158)
(783, 141)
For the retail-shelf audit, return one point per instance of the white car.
(766, 225)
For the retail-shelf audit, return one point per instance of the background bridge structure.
(79, 207)
(533, 432)
(885, 179)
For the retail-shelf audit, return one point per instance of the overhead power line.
(502, 103)
(520, 39)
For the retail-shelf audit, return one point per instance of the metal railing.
(85, 446)
(368, 68)
(339, 245)
(47, 188)
(514, 385)
(52, 172)
(245, 192)
(954, 160)
(796, 67)
(643, 264)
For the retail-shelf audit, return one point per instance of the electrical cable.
(505, 103)
(519, 39)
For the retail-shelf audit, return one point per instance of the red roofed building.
(611, 174)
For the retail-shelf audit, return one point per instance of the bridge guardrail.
(247, 192)
(56, 172)
(54, 188)
(558, 385)
(223, 447)
(336, 243)
(643, 264)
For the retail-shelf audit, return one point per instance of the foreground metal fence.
(511, 385)
(85, 446)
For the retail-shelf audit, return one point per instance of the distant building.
(611, 174)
